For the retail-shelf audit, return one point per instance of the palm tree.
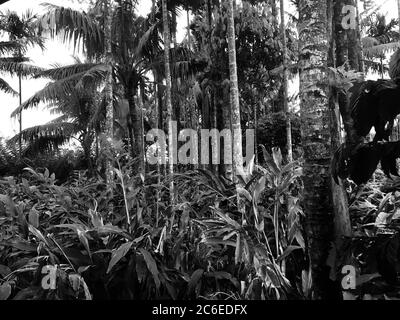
(381, 38)
(313, 48)
(79, 103)
(21, 29)
(135, 42)
(21, 36)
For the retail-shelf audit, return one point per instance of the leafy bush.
(127, 242)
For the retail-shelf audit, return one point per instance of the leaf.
(194, 279)
(259, 188)
(84, 240)
(269, 161)
(33, 218)
(5, 291)
(364, 278)
(277, 155)
(152, 266)
(96, 218)
(243, 192)
(287, 252)
(11, 210)
(37, 234)
(4, 270)
(224, 275)
(238, 249)
(118, 254)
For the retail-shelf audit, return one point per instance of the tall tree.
(168, 97)
(109, 126)
(339, 196)
(234, 93)
(285, 84)
(313, 49)
(21, 32)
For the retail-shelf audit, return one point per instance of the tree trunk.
(313, 47)
(234, 95)
(20, 116)
(340, 55)
(359, 43)
(135, 127)
(339, 196)
(188, 29)
(168, 99)
(285, 86)
(353, 44)
(109, 126)
(398, 9)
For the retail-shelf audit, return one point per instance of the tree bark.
(168, 98)
(398, 11)
(340, 55)
(109, 126)
(285, 85)
(313, 47)
(342, 222)
(234, 94)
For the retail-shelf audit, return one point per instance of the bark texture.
(168, 97)
(234, 93)
(313, 49)
(285, 85)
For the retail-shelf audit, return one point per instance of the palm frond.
(7, 47)
(149, 43)
(11, 67)
(50, 93)
(57, 90)
(4, 86)
(94, 76)
(73, 26)
(381, 49)
(394, 65)
(62, 72)
(47, 137)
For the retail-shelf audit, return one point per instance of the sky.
(57, 52)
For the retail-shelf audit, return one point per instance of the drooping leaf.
(151, 265)
(118, 254)
(5, 291)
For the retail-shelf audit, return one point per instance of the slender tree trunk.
(20, 116)
(274, 12)
(313, 49)
(353, 44)
(135, 125)
(168, 98)
(340, 55)
(398, 12)
(109, 126)
(359, 43)
(175, 100)
(234, 96)
(342, 221)
(142, 153)
(285, 86)
(188, 29)
(159, 101)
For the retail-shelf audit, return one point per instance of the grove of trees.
(318, 192)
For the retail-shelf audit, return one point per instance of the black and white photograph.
(205, 157)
